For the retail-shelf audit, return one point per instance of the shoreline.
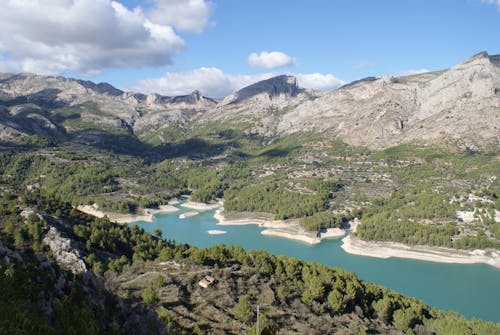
(199, 206)
(280, 228)
(355, 246)
(120, 218)
(188, 214)
(291, 230)
(216, 232)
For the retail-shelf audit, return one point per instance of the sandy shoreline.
(188, 214)
(162, 209)
(354, 245)
(216, 232)
(279, 228)
(114, 217)
(199, 206)
(148, 215)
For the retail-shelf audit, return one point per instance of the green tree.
(160, 280)
(149, 296)
(384, 308)
(335, 301)
(158, 232)
(243, 310)
(314, 290)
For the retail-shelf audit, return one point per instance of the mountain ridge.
(459, 105)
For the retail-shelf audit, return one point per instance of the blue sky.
(175, 46)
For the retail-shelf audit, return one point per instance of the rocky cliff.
(461, 105)
(259, 107)
(458, 106)
(33, 104)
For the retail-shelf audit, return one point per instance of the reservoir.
(470, 289)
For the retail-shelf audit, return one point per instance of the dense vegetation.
(423, 210)
(433, 196)
(108, 248)
(406, 194)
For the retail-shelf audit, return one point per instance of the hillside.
(272, 148)
(67, 272)
(459, 105)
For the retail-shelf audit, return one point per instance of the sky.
(174, 47)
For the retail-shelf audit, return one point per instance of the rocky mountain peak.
(267, 90)
(191, 99)
(102, 88)
(482, 58)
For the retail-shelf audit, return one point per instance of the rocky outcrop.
(259, 107)
(86, 103)
(65, 255)
(461, 105)
(266, 91)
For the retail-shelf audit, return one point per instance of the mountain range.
(458, 106)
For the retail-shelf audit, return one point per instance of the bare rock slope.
(34, 104)
(259, 107)
(461, 105)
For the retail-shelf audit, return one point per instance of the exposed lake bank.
(356, 246)
(291, 229)
(147, 215)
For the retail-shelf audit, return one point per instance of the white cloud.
(54, 36)
(492, 2)
(210, 81)
(184, 15)
(269, 60)
(412, 72)
(319, 81)
(213, 82)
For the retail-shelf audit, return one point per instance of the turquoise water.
(472, 290)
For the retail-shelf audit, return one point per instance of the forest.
(109, 248)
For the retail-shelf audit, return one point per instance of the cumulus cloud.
(54, 36)
(412, 72)
(213, 82)
(319, 81)
(492, 2)
(210, 81)
(269, 60)
(184, 15)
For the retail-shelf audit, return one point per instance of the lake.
(470, 289)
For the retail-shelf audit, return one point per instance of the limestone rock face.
(98, 104)
(266, 91)
(66, 256)
(461, 104)
(259, 107)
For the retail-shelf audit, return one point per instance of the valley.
(413, 160)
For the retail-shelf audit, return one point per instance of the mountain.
(458, 106)
(258, 107)
(461, 104)
(267, 91)
(54, 106)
